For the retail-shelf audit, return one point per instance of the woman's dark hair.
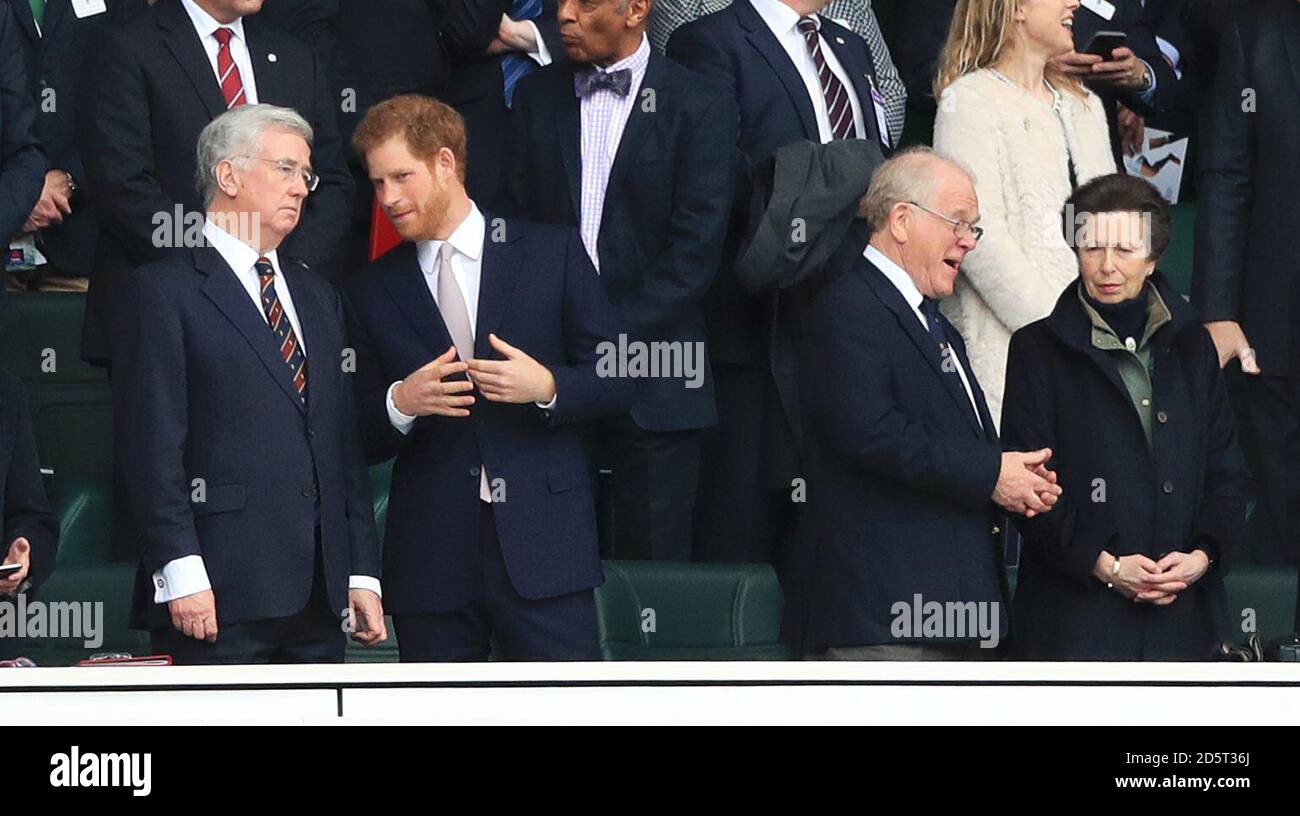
(1119, 192)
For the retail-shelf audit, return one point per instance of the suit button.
(311, 433)
(1162, 417)
(309, 492)
(473, 472)
(996, 529)
(1168, 487)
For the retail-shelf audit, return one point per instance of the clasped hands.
(1025, 485)
(1142, 580)
(516, 379)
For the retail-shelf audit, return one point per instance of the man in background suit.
(789, 68)
(904, 464)
(22, 160)
(29, 530)
(55, 38)
(477, 345)
(236, 435)
(1247, 245)
(153, 83)
(645, 168)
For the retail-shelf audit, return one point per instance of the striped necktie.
(290, 349)
(232, 85)
(838, 108)
(516, 66)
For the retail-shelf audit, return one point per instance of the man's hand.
(513, 36)
(424, 391)
(1077, 64)
(1025, 485)
(517, 379)
(1124, 70)
(20, 552)
(1230, 341)
(368, 611)
(1132, 131)
(195, 615)
(54, 203)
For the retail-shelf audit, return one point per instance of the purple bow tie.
(588, 82)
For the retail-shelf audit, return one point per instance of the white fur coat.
(1016, 147)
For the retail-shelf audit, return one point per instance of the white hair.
(236, 134)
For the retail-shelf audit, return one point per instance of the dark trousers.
(655, 484)
(562, 628)
(312, 635)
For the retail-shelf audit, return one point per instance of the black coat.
(665, 211)
(149, 91)
(899, 475)
(22, 160)
(26, 511)
(1247, 224)
(1183, 492)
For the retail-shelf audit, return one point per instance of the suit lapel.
(496, 283)
(268, 76)
(639, 123)
(406, 284)
(922, 339)
(226, 293)
(1291, 36)
(568, 130)
(183, 41)
(311, 317)
(23, 10)
(765, 42)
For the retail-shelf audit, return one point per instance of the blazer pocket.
(562, 480)
(220, 499)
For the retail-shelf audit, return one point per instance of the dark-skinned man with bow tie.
(646, 175)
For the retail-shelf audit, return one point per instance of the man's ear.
(226, 180)
(638, 12)
(900, 217)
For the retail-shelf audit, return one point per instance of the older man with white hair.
(236, 435)
(905, 474)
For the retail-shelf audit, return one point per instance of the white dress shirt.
(205, 24)
(784, 21)
(467, 265)
(907, 288)
(187, 575)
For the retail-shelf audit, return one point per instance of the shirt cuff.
(181, 577)
(399, 420)
(549, 405)
(1171, 55)
(365, 582)
(543, 54)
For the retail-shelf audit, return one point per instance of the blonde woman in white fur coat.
(1024, 128)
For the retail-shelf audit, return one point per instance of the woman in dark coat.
(1124, 385)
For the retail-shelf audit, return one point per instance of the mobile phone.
(9, 569)
(1104, 43)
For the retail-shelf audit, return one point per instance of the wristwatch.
(72, 182)
(1114, 573)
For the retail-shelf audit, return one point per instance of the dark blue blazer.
(148, 91)
(899, 474)
(22, 160)
(665, 216)
(201, 392)
(540, 294)
(735, 47)
(53, 58)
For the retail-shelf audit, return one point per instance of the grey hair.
(906, 176)
(237, 133)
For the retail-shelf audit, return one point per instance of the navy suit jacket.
(540, 294)
(149, 90)
(53, 59)
(1247, 224)
(26, 510)
(899, 474)
(201, 392)
(665, 213)
(735, 47)
(22, 160)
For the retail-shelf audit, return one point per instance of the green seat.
(656, 610)
(83, 574)
(381, 476)
(1266, 593)
(1177, 261)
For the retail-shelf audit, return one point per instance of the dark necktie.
(232, 85)
(838, 108)
(947, 356)
(515, 66)
(290, 349)
(585, 83)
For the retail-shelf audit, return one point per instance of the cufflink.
(271, 57)
(160, 583)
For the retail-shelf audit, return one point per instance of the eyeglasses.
(960, 228)
(288, 168)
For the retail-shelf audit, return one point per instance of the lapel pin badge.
(839, 41)
(271, 58)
